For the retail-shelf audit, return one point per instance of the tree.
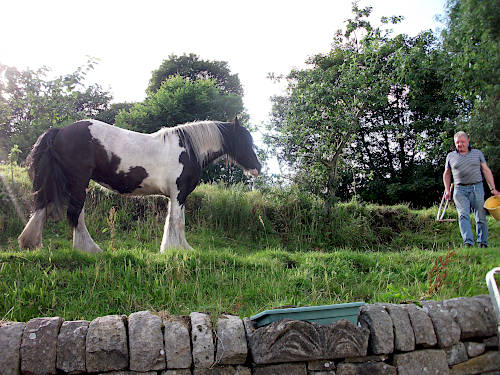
(190, 66)
(108, 115)
(370, 116)
(30, 103)
(326, 103)
(472, 40)
(180, 100)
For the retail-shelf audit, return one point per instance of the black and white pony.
(168, 162)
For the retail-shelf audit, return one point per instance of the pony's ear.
(236, 122)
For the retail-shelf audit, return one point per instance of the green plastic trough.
(325, 314)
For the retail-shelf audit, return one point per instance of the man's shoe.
(467, 245)
(483, 245)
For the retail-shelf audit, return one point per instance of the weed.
(438, 273)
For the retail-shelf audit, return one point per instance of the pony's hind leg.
(31, 236)
(81, 237)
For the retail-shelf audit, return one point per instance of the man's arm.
(447, 182)
(489, 178)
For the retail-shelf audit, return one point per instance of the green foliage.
(180, 100)
(369, 116)
(30, 103)
(108, 115)
(472, 40)
(190, 66)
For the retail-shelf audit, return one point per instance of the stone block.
(202, 340)
(145, 342)
(491, 342)
(178, 342)
(39, 346)
(422, 362)
(456, 354)
(377, 320)
(129, 373)
(368, 368)
(10, 345)
(320, 366)
(71, 346)
(332, 372)
(475, 316)
(294, 341)
(106, 344)
(282, 369)
(369, 358)
(475, 349)
(446, 329)
(404, 338)
(422, 326)
(231, 341)
(489, 361)
(182, 371)
(222, 370)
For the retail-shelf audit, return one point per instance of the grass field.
(252, 251)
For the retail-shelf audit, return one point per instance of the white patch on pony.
(159, 156)
(31, 236)
(205, 137)
(81, 237)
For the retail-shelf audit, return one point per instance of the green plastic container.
(325, 314)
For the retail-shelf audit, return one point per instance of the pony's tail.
(50, 182)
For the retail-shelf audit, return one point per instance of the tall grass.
(253, 251)
(289, 218)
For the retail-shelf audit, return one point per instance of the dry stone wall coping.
(456, 336)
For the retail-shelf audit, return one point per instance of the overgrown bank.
(253, 251)
(289, 218)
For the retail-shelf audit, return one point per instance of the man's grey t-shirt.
(466, 169)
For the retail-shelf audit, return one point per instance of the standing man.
(465, 165)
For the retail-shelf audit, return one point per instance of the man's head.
(461, 142)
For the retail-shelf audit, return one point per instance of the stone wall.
(456, 336)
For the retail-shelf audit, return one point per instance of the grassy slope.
(232, 269)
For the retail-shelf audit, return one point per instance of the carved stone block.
(293, 341)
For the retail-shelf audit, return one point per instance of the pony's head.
(239, 147)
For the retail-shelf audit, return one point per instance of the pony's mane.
(205, 137)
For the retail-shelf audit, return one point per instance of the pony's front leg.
(173, 233)
(81, 237)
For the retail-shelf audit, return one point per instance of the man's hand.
(447, 195)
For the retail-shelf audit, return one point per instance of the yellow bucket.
(492, 204)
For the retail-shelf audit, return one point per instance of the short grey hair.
(460, 134)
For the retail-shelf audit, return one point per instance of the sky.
(132, 38)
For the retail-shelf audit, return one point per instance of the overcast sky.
(132, 38)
